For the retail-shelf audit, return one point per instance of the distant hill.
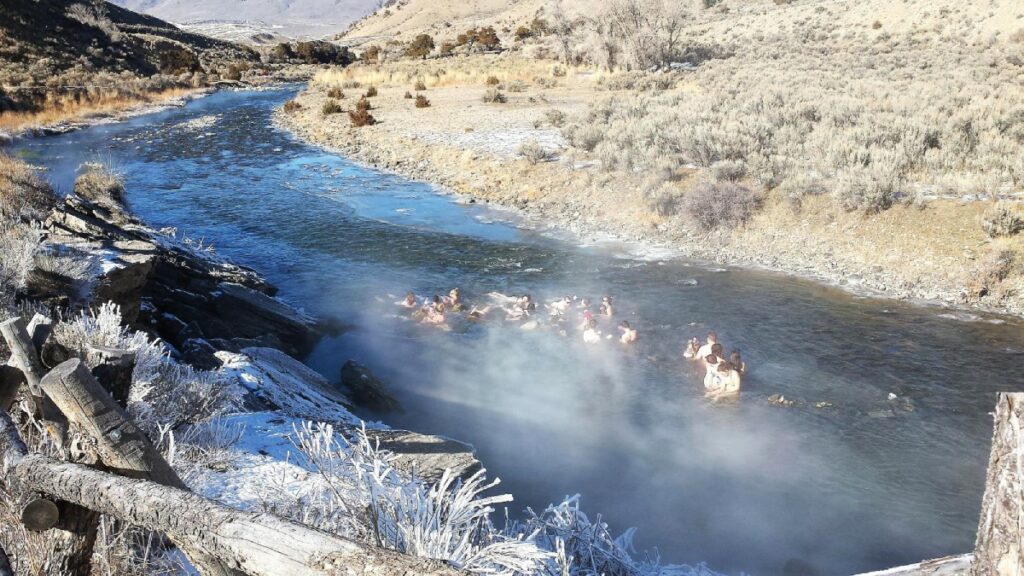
(242, 19)
(50, 46)
(406, 18)
(972, 21)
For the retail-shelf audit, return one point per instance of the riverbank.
(933, 251)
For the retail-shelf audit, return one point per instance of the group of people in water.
(563, 314)
(723, 375)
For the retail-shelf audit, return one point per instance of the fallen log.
(256, 544)
(999, 548)
(121, 445)
(24, 355)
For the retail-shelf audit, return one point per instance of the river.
(862, 483)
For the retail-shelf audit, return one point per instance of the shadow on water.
(864, 483)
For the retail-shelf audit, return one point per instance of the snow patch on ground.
(274, 380)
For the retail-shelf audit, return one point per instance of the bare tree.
(650, 31)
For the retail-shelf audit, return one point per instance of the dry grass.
(60, 109)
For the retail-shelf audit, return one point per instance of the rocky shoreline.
(215, 315)
(820, 243)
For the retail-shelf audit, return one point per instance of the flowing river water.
(862, 483)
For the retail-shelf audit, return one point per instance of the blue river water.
(862, 482)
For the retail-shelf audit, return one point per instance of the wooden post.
(24, 355)
(999, 548)
(250, 543)
(121, 445)
(39, 329)
(113, 369)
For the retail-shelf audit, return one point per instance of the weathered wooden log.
(24, 354)
(113, 369)
(257, 544)
(39, 329)
(121, 445)
(25, 357)
(40, 515)
(999, 548)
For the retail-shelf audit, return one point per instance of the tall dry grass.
(61, 108)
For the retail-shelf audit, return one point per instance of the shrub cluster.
(1002, 219)
(331, 107)
(422, 102)
(361, 117)
(292, 106)
(336, 92)
(712, 205)
(494, 96)
(534, 153)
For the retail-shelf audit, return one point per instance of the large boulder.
(367, 390)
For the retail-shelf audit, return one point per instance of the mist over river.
(862, 483)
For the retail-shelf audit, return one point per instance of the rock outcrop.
(366, 389)
(187, 297)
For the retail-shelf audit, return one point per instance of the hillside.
(864, 143)
(61, 59)
(972, 21)
(249, 20)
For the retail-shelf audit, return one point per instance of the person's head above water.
(716, 349)
(712, 337)
(624, 324)
(436, 299)
(410, 298)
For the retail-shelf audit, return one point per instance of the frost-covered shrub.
(103, 327)
(363, 497)
(358, 494)
(712, 205)
(163, 392)
(1002, 219)
(534, 153)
